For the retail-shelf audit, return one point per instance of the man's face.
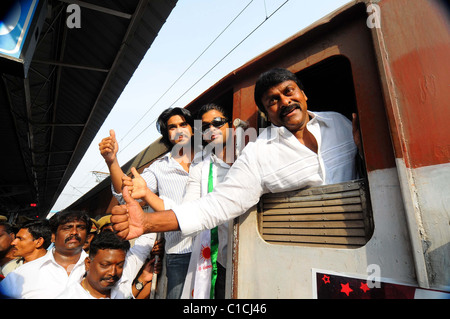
(105, 269)
(180, 132)
(71, 236)
(285, 104)
(24, 244)
(212, 134)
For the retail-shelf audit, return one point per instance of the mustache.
(115, 278)
(287, 109)
(72, 237)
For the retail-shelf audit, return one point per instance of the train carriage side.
(364, 227)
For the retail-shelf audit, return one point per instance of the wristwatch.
(139, 285)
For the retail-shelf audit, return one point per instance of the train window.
(337, 215)
(329, 86)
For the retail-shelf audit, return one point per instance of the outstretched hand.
(129, 219)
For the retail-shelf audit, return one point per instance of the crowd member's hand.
(158, 248)
(150, 268)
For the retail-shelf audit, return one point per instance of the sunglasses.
(217, 122)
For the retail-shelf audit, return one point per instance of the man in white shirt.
(48, 276)
(301, 149)
(31, 242)
(206, 276)
(111, 268)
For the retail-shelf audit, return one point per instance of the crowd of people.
(74, 256)
(193, 193)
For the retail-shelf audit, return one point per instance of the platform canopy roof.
(49, 118)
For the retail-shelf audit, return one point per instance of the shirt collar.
(51, 258)
(204, 155)
(217, 160)
(320, 117)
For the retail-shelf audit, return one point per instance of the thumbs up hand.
(109, 147)
(137, 186)
(129, 219)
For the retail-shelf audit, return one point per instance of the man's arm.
(130, 221)
(108, 149)
(240, 190)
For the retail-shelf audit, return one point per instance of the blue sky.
(167, 74)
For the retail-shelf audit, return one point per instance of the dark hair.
(212, 106)
(107, 240)
(67, 216)
(161, 123)
(40, 228)
(270, 78)
(9, 228)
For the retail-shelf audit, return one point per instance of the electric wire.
(184, 72)
(215, 65)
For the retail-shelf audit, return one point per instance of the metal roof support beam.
(60, 124)
(99, 8)
(69, 65)
(51, 152)
(57, 82)
(28, 103)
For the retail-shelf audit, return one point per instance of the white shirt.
(42, 278)
(197, 186)
(134, 260)
(275, 162)
(167, 178)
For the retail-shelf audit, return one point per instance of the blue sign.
(15, 22)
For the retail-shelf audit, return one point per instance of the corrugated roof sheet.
(49, 119)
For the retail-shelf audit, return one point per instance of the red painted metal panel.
(417, 39)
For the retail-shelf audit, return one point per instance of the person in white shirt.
(111, 268)
(31, 242)
(206, 276)
(208, 168)
(48, 276)
(167, 177)
(7, 260)
(300, 149)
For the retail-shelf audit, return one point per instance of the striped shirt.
(167, 178)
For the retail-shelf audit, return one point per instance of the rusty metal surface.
(415, 36)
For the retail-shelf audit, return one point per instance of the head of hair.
(161, 123)
(107, 240)
(271, 78)
(64, 217)
(40, 228)
(9, 228)
(212, 106)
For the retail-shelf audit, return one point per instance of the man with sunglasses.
(300, 149)
(206, 276)
(167, 177)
